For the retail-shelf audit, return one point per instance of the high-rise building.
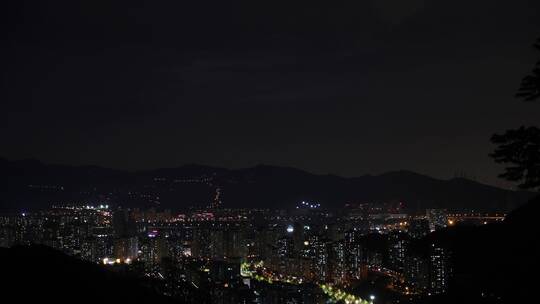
(102, 247)
(123, 224)
(235, 243)
(285, 247)
(416, 272)
(200, 245)
(125, 239)
(353, 254)
(216, 202)
(437, 218)
(126, 248)
(418, 228)
(336, 258)
(440, 269)
(320, 257)
(398, 243)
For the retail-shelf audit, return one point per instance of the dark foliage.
(494, 263)
(520, 149)
(530, 85)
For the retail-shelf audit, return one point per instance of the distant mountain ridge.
(32, 184)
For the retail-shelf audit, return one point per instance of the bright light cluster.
(308, 205)
(337, 295)
(258, 272)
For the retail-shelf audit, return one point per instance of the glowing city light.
(290, 229)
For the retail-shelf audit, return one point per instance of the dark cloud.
(347, 87)
(395, 11)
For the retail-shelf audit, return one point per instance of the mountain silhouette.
(30, 184)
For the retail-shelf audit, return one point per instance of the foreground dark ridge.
(49, 276)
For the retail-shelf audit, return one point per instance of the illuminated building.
(416, 272)
(285, 247)
(353, 254)
(126, 248)
(418, 228)
(437, 218)
(439, 269)
(320, 257)
(125, 239)
(201, 239)
(216, 202)
(101, 247)
(336, 259)
(397, 250)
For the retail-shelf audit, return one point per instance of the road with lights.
(259, 272)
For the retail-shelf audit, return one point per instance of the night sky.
(342, 87)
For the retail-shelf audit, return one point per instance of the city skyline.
(308, 248)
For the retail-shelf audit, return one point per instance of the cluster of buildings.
(308, 246)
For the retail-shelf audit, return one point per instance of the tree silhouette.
(530, 85)
(520, 148)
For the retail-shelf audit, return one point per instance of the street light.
(372, 298)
